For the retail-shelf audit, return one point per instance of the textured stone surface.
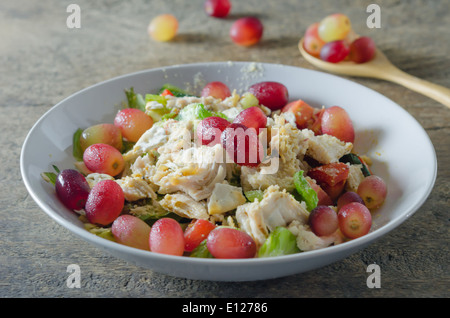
(42, 62)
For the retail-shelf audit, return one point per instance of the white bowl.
(401, 151)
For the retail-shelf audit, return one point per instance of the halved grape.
(348, 197)
(252, 117)
(273, 95)
(323, 220)
(373, 190)
(105, 202)
(362, 50)
(210, 129)
(166, 237)
(72, 189)
(334, 52)
(242, 145)
(217, 8)
(131, 231)
(101, 134)
(132, 123)
(355, 220)
(312, 43)
(216, 89)
(103, 158)
(224, 242)
(336, 122)
(246, 31)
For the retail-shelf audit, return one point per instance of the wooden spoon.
(380, 67)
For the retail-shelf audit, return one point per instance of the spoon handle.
(434, 91)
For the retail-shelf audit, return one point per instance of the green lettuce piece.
(280, 242)
(305, 191)
(135, 100)
(197, 111)
(51, 177)
(201, 251)
(155, 98)
(157, 114)
(105, 233)
(76, 146)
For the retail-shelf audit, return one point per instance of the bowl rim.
(110, 245)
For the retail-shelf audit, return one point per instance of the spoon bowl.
(381, 68)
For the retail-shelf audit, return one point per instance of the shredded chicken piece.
(277, 208)
(327, 149)
(136, 188)
(307, 240)
(94, 178)
(291, 145)
(184, 206)
(194, 171)
(225, 198)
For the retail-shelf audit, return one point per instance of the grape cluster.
(333, 40)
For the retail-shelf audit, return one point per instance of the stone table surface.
(42, 61)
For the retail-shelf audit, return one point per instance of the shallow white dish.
(401, 151)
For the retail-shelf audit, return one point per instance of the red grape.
(303, 113)
(131, 231)
(217, 8)
(312, 43)
(105, 202)
(334, 52)
(246, 31)
(72, 189)
(210, 129)
(362, 50)
(216, 89)
(242, 145)
(166, 237)
(132, 122)
(373, 191)
(348, 197)
(224, 242)
(252, 117)
(336, 122)
(101, 134)
(323, 220)
(355, 220)
(273, 95)
(196, 232)
(103, 158)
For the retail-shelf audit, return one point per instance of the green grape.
(163, 28)
(334, 27)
